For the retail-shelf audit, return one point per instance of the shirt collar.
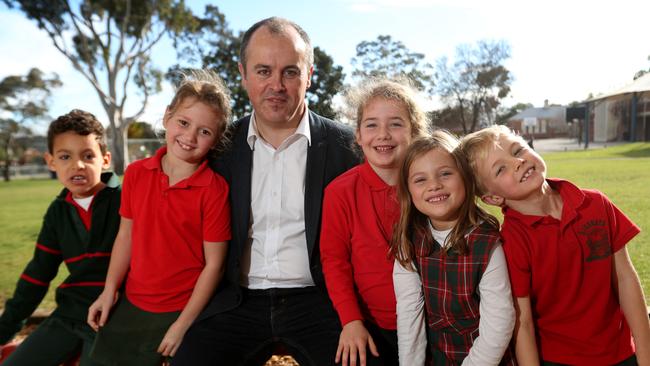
(371, 178)
(110, 179)
(303, 129)
(200, 178)
(572, 199)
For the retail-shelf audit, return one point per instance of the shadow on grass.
(642, 151)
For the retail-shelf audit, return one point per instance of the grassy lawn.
(23, 205)
(621, 172)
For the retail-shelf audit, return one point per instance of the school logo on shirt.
(597, 240)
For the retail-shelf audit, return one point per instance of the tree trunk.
(119, 154)
(119, 150)
(5, 171)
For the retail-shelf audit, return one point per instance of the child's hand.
(99, 310)
(353, 340)
(172, 339)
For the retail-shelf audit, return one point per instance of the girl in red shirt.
(171, 245)
(359, 210)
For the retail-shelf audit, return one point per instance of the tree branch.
(142, 51)
(56, 37)
(89, 71)
(144, 101)
(127, 78)
(123, 30)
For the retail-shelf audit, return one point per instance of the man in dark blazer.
(278, 163)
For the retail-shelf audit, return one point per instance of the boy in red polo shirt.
(578, 297)
(171, 245)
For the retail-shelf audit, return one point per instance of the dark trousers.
(55, 341)
(302, 320)
(386, 342)
(131, 336)
(631, 361)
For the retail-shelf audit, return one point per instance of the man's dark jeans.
(302, 320)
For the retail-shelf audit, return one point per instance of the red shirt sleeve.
(216, 212)
(125, 198)
(335, 249)
(621, 228)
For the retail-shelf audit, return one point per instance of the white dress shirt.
(277, 255)
(496, 308)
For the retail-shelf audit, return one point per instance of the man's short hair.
(277, 26)
(81, 122)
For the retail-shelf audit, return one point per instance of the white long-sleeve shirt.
(496, 308)
(277, 255)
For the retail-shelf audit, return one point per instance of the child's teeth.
(438, 199)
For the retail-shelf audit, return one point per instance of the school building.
(622, 114)
(548, 121)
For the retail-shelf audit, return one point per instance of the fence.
(29, 171)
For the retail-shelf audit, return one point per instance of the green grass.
(21, 213)
(621, 172)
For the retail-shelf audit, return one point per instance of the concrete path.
(567, 144)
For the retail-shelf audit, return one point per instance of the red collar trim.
(371, 178)
(200, 178)
(572, 199)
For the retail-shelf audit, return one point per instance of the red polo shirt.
(170, 225)
(566, 266)
(359, 211)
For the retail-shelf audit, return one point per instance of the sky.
(561, 51)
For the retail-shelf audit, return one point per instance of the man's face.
(276, 76)
(512, 170)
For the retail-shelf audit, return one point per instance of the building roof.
(641, 84)
(550, 112)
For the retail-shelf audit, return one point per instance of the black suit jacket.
(329, 155)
